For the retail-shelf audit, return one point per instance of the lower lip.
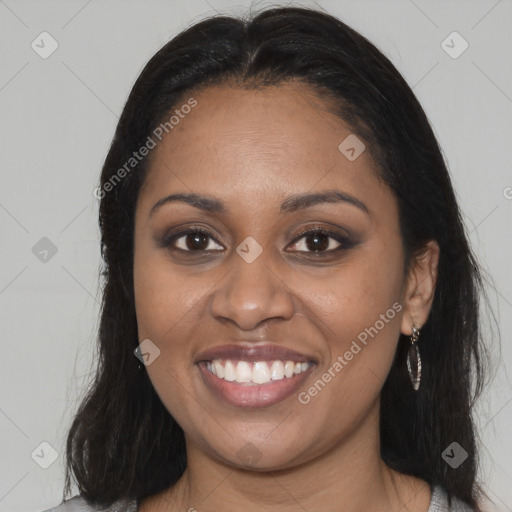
(253, 395)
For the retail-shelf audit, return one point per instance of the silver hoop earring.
(414, 360)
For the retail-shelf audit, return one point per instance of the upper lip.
(253, 352)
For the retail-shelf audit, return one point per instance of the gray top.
(438, 503)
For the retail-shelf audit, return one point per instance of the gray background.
(57, 119)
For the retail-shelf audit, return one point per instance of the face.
(307, 322)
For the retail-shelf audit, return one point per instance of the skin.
(252, 149)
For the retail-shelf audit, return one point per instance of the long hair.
(123, 443)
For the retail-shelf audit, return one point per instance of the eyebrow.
(291, 204)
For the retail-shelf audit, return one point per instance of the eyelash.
(346, 243)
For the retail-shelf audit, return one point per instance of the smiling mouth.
(254, 384)
(257, 372)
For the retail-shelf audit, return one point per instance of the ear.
(420, 287)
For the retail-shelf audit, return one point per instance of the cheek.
(354, 295)
(164, 303)
(358, 310)
(164, 298)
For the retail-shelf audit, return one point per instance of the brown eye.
(194, 240)
(319, 240)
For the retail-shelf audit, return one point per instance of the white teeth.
(288, 368)
(229, 372)
(277, 370)
(259, 372)
(219, 369)
(243, 372)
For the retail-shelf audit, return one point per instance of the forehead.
(257, 146)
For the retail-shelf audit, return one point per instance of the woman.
(290, 311)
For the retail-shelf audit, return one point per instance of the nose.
(251, 294)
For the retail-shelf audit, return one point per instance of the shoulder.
(439, 502)
(78, 504)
